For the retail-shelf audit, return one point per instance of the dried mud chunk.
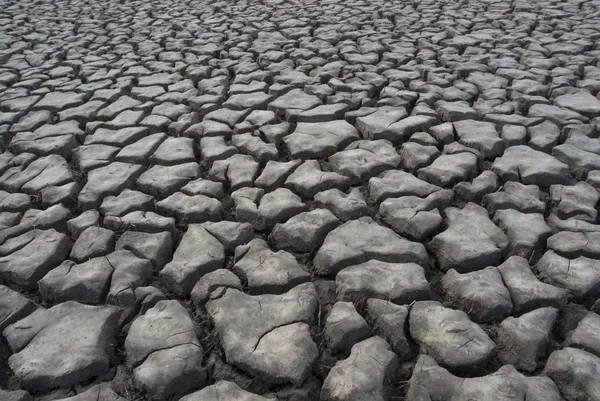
(366, 374)
(449, 336)
(164, 352)
(357, 241)
(575, 373)
(268, 335)
(62, 346)
(432, 382)
(471, 241)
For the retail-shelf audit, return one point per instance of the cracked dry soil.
(299, 200)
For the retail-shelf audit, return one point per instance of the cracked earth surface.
(299, 200)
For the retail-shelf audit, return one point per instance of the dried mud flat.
(299, 200)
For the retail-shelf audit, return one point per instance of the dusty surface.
(303, 200)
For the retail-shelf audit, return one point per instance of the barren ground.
(299, 200)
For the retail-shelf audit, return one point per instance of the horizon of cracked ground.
(299, 200)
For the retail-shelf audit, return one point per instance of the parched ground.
(299, 200)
